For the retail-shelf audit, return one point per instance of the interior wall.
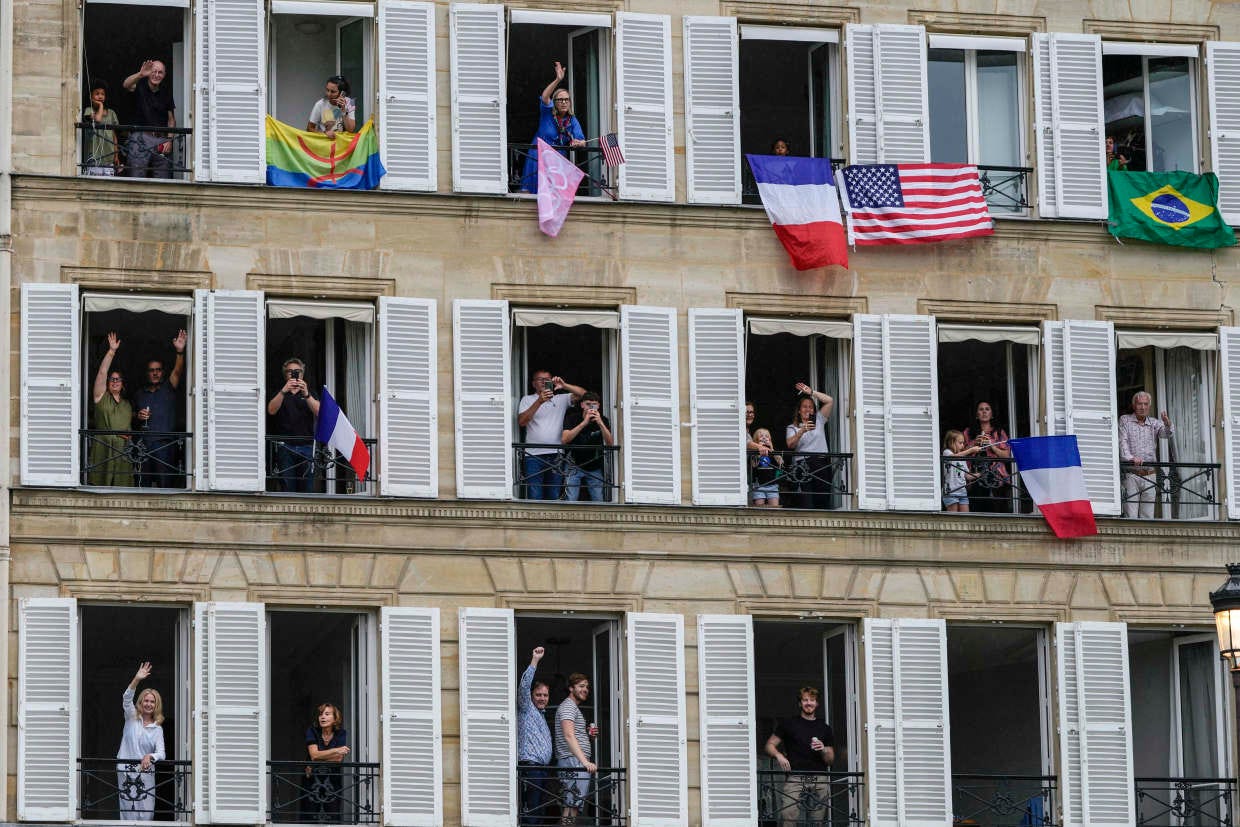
(311, 662)
(1149, 664)
(774, 96)
(787, 656)
(302, 64)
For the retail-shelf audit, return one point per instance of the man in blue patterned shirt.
(534, 745)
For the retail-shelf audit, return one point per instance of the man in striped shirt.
(534, 745)
(572, 747)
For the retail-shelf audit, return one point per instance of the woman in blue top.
(327, 743)
(556, 125)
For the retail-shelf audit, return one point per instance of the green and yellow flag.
(1177, 208)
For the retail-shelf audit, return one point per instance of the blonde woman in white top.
(142, 744)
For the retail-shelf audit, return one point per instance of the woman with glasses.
(109, 464)
(556, 125)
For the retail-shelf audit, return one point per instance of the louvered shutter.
(888, 101)
(488, 718)
(644, 106)
(236, 63)
(908, 757)
(412, 730)
(484, 419)
(407, 132)
(717, 405)
(897, 412)
(232, 640)
(201, 116)
(1080, 371)
(202, 752)
(47, 709)
(726, 716)
(1095, 724)
(712, 110)
(658, 788)
(1223, 86)
(51, 382)
(1229, 366)
(1067, 87)
(649, 355)
(408, 398)
(479, 108)
(230, 405)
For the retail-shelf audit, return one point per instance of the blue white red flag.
(801, 200)
(1050, 468)
(335, 431)
(914, 203)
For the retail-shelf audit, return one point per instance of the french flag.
(1050, 467)
(800, 199)
(333, 430)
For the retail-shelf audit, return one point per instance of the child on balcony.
(102, 157)
(765, 467)
(956, 473)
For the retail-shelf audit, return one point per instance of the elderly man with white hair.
(1137, 432)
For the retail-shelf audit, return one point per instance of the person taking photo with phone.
(541, 414)
(293, 410)
(585, 429)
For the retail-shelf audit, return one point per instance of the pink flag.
(557, 187)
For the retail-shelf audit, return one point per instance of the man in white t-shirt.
(541, 414)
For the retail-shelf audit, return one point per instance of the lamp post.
(1226, 605)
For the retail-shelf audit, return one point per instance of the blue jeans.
(295, 467)
(593, 481)
(538, 803)
(542, 476)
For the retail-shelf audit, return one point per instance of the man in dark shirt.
(293, 411)
(809, 751)
(155, 408)
(154, 107)
(585, 426)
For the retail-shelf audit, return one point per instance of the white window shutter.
(644, 106)
(908, 755)
(236, 58)
(717, 406)
(412, 730)
(231, 639)
(1223, 86)
(1095, 724)
(488, 718)
(202, 752)
(658, 777)
(479, 91)
(897, 412)
(1229, 366)
(407, 132)
(649, 357)
(484, 418)
(889, 120)
(408, 397)
(51, 382)
(712, 110)
(231, 407)
(47, 709)
(859, 50)
(726, 720)
(1071, 140)
(1053, 378)
(201, 116)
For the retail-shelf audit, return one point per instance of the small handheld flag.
(1050, 468)
(612, 156)
(335, 431)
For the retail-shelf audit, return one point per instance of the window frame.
(1156, 50)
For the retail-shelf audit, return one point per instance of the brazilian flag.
(1177, 208)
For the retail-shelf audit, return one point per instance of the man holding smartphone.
(586, 430)
(541, 414)
(293, 411)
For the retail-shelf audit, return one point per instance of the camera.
(295, 373)
(548, 384)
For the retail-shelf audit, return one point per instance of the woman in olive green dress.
(109, 464)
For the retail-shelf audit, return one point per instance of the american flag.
(612, 156)
(914, 203)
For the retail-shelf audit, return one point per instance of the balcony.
(544, 797)
(111, 790)
(549, 472)
(1185, 802)
(993, 800)
(303, 792)
(801, 480)
(1006, 189)
(991, 484)
(1170, 490)
(588, 159)
(131, 151)
(300, 465)
(810, 799)
(128, 459)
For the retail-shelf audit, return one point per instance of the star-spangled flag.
(914, 203)
(612, 156)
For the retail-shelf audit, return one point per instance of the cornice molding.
(569, 603)
(959, 22)
(564, 295)
(1151, 30)
(971, 311)
(797, 305)
(123, 279)
(1175, 318)
(1040, 613)
(793, 13)
(153, 593)
(322, 287)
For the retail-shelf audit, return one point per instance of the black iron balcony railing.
(1006, 189)
(300, 465)
(128, 459)
(989, 483)
(588, 159)
(110, 789)
(305, 792)
(801, 480)
(545, 793)
(810, 799)
(133, 151)
(572, 474)
(996, 800)
(1185, 802)
(1170, 490)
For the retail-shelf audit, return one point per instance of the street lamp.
(1226, 605)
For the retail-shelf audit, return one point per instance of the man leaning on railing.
(1137, 448)
(810, 747)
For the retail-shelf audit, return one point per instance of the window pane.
(949, 141)
(820, 94)
(1123, 98)
(1171, 111)
(998, 96)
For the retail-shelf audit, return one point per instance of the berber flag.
(800, 199)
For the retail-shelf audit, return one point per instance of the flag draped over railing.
(297, 158)
(1050, 468)
(914, 203)
(334, 430)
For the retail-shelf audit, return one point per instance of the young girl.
(956, 474)
(101, 153)
(764, 469)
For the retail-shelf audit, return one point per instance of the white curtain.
(1189, 409)
(1197, 704)
(357, 376)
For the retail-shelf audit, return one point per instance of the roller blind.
(605, 319)
(1166, 339)
(103, 302)
(760, 326)
(349, 311)
(989, 333)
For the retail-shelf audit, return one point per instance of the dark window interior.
(117, 39)
(144, 336)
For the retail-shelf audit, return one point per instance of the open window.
(581, 42)
(335, 343)
(310, 42)
(1149, 93)
(969, 76)
(789, 90)
(117, 38)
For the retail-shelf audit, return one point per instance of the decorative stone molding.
(958, 22)
(144, 281)
(1200, 617)
(345, 598)
(797, 305)
(793, 13)
(322, 287)
(1175, 318)
(1000, 613)
(1007, 312)
(163, 594)
(1151, 31)
(597, 6)
(778, 609)
(565, 296)
(570, 604)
